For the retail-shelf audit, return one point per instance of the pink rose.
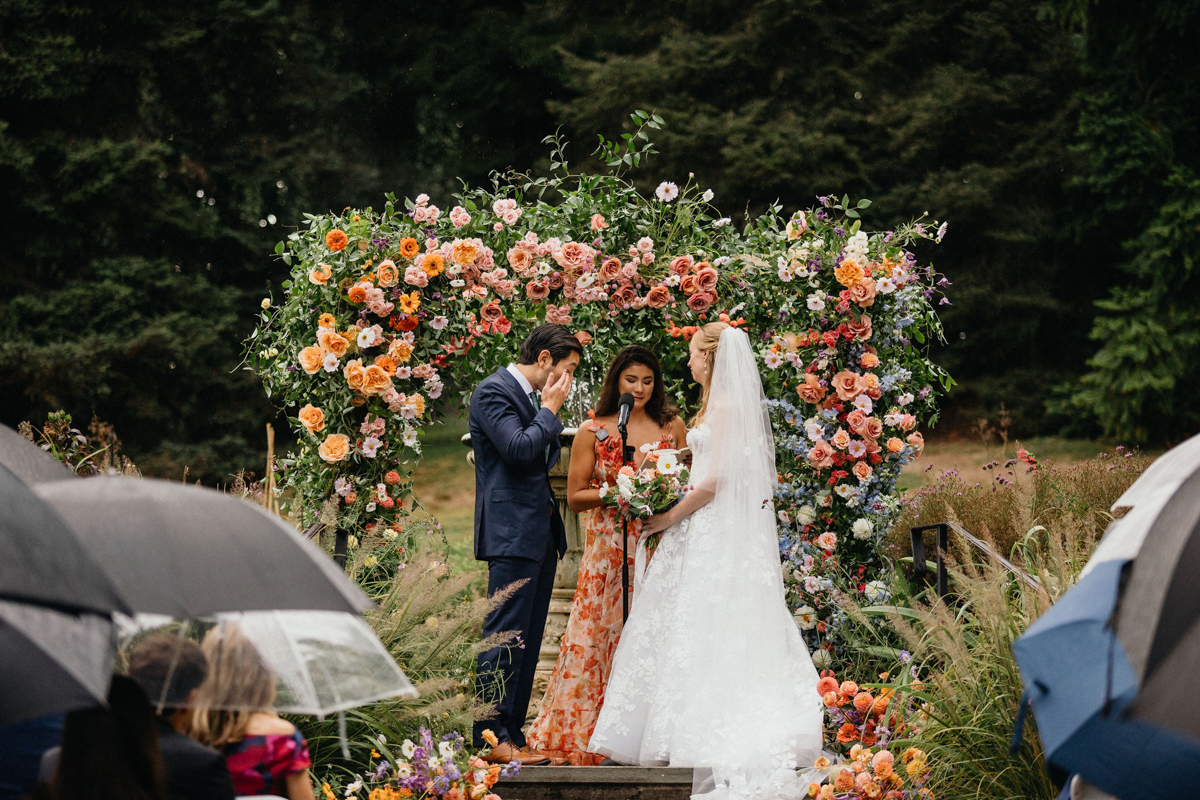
(610, 270)
(862, 470)
(681, 265)
(827, 540)
(848, 385)
(599, 223)
(706, 279)
(537, 290)
(658, 297)
(575, 256)
(821, 454)
(700, 302)
(916, 440)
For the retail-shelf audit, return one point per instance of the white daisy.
(666, 191)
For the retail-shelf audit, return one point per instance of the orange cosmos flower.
(326, 320)
(433, 264)
(336, 240)
(409, 247)
(357, 294)
(386, 364)
(409, 303)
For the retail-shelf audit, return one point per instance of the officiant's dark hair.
(555, 338)
(657, 407)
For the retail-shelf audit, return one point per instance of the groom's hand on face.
(555, 392)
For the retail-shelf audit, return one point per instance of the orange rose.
(536, 290)
(409, 247)
(863, 292)
(336, 240)
(848, 385)
(375, 380)
(848, 273)
(320, 275)
(332, 342)
(464, 252)
(386, 364)
(310, 359)
(520, 259)
(312, 418)
(658, 297)
(433, 264)
(610, 269)
(598, 222)
(335, 448)
(811, 391)
(862, 470)
(388, 274)
(894, 445)
(400, 350)
(687, 284)
(357, 294)
(356, 375)
(706, 279)
(326, 321)
(869, 361)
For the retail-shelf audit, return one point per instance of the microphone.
(624, 406)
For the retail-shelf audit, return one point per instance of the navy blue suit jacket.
(515, 512)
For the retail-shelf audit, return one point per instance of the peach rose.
(860, 327)
(917, 441)
(464, 252)
(700, 302)
(873, 429)
(312, 418)
(811, 391)
(610, 270)
(870, 381)
(856, 419)
(863, 293)
(894, 445)
(335, 448)
(490, 312)
(848, 385)
(356, 375)
(862, 470)
(537, 290)
(821, 454)
(375, 380)
(388, 274)
(575, 256)
(840, 439)
(556, 280)
(869, 361)
(598, 222)
(624, 296)
(681, 265)
(521, 260)
(658, 297)
(320, 275)
(332, 342)
(908, 422)
(827, 540)
(706, 279)
(310, 359)
(688, 285)
(400, 350)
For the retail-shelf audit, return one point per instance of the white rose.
(876, 591)
(821, 658)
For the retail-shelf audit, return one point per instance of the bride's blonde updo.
(706, 340)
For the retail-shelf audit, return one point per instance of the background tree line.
(151, 154)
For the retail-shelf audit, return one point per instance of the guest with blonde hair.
(234, 713)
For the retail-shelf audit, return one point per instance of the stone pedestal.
(565, 578)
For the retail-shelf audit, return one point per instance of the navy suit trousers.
(505, 674)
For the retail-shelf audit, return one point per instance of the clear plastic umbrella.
(321, 662)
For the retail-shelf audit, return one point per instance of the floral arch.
(381, 305)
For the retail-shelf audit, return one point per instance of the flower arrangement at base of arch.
(383, 305)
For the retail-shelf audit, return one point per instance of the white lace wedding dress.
(711, 671)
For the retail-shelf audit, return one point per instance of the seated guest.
(108, 753)
(22, 746)
(265, 754)
(193, 771)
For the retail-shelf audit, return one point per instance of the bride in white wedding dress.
(711, 671)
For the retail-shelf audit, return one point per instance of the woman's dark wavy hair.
(657, 407)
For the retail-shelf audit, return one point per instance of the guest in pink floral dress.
(576, 691)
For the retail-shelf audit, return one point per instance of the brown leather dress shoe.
(506, 752)
(555, 761)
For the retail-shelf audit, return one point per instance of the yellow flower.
(328, 792)
(266, 303)
(409, 303)
(490, 738)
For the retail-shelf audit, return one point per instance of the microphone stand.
(626, 458)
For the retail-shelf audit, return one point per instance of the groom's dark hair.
(554, 338)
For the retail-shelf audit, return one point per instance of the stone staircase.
(598, 783)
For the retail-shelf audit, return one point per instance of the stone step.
(598, 783)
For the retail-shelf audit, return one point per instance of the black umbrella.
(52, 661)
(192, 552)
(28, 461)
(43, 562)
(1158, 619)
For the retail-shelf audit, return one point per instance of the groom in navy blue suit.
(518, 530)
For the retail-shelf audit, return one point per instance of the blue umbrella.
(1080, 680)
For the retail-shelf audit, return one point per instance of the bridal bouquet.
(653, 489)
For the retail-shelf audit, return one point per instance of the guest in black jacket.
(193, 771)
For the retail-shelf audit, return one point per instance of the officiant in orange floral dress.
(576, 691)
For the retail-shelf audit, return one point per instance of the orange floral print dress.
(576, 691)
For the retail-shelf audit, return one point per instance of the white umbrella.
(1145, 499)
